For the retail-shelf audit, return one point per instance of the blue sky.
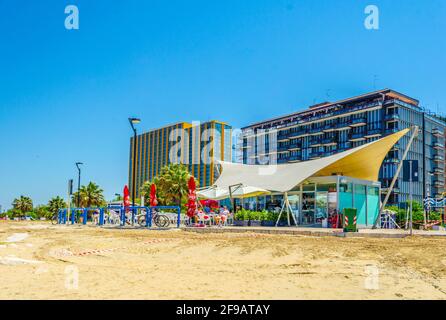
(65, 96)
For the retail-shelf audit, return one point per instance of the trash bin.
(350, 217)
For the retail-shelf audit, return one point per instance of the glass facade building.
(196, 145)
(328, 128)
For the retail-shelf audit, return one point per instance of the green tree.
(41, 211)
(91, 195)
(55, 204)
(171, 185)
(22, 205)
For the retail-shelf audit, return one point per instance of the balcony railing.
(297, 133)
(340, 125)
(315, 130)
(396, 146)
(315, 154)
(344, 146)
(392, 160)
(314, 142)
(437, 132)
(330, 153)
(329, 127)
(358, 121)
(394, 190)
(438, 158)
(295, 145)
(391, 130)
(392, 117)
(358, 135)
(438, 183)
(283, 134)
(438, 145)
(294, 158)
(331, 140)
(374, 132)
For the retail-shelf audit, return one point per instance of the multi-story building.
(329, 128)
(196, 145)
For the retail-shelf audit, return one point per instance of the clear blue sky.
(65, 96)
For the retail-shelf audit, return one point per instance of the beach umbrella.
(192, 198)
(213, 193)
(153, 200)
(126, 198)
(241, 192)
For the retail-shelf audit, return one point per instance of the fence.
(119, 215)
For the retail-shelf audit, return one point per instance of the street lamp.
(134, 121)
(78, 164)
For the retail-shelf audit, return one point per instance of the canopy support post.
(286, 204)
(280, 214)
(395, 177)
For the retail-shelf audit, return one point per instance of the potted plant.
(269, 218)
(255, 219)
(241, 218)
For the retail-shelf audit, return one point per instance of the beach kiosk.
(312, 192)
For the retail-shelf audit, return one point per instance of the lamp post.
(78, 164)
(134, 121)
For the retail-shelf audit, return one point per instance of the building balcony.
(316, 154)
(386, 190)
(358, 122)
(357, 136)
(438, 145)
(297, 134)
(283, 135)
(438, 171)
(294, 146)
(373, 133)
(343, 146)
(316, 131)
(329, 141)
(392, 117)
(437, 132)
(294, 159)
(438, 184)
(438, 158)
(391, 130)
(281, 148)
(396, 146)
(329, 127)
(315, 143)
(392, 160)
(342, 125)
(330, 153)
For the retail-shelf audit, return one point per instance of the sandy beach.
(41, 261)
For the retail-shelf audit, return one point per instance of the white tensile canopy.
(362, 162)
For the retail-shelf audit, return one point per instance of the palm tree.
(90, 196)
(55, 204)
(23, 205)
(171, 185)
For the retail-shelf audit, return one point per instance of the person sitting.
(224, 214)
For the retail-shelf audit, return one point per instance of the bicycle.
(55, 219)
(160, 220)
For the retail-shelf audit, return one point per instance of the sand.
(41, 261)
